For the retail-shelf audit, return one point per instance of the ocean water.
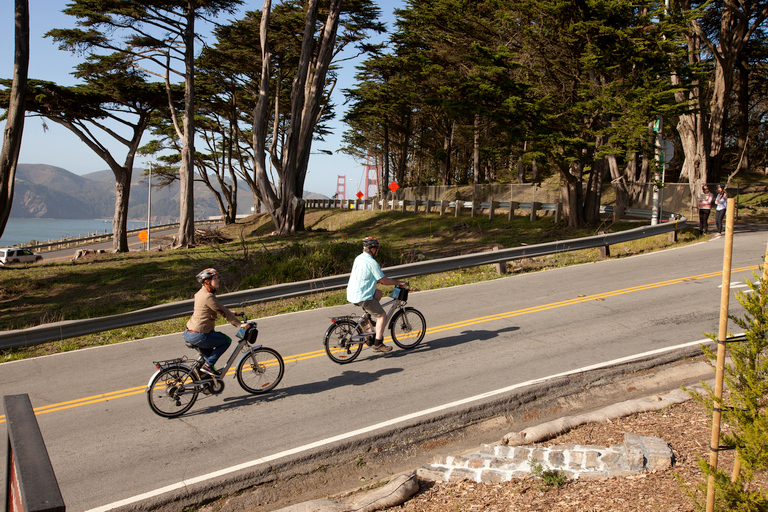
(22, 231)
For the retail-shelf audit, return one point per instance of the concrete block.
(492, 476)
(459, 474)
(556, 458)
(591, 460)
(433, 473)
(457, 461)
(476, 463)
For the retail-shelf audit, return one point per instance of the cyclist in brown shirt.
(200, 327)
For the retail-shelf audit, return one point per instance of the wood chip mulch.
(685, 427)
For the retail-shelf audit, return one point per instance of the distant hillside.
(45, 191)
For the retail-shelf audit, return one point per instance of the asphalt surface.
(488, 347)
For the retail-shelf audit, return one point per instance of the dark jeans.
(703, 220)
(719, 216)
(212, 344)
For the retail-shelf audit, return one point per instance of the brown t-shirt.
(207, 308)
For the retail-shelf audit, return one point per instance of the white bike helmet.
(206, 274)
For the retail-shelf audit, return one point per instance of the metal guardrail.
(102, 237)
(68, 329)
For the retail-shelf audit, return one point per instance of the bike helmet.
(206, 274)
(370, 243)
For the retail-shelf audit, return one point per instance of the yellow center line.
(456, 325)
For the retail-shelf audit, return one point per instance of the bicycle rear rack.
(167, 362)
(344, 317)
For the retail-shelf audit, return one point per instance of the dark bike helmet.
(206, 274)
(370, 243)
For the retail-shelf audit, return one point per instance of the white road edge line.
(388, 423)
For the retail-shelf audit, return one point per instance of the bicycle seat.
(205, 352)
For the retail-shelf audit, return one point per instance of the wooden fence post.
(443, 204)
(534, 207)
(513, 205)
(501, 267)
(605, 250)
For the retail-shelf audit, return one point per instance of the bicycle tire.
(337, 341)
(408, 328)
(260, 370)
(171, 393)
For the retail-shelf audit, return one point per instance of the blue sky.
(57, 146)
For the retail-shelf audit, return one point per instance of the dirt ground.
(684, 427)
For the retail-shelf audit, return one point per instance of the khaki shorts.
(373, 307)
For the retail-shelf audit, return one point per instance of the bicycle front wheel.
(408, 328)
(338, 341)
(260, 370)
(171, 392)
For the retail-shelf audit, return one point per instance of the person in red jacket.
(705, 204)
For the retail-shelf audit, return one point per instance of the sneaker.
(210, 370)
(382, 348)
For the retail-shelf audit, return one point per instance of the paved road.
(157, 238)
(106, 445)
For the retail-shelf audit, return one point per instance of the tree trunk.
(284, 203)
(14, 127)
(445, 171)
(120, 218)
(403, 163)
(186, 235)
(742, 162)
(478, 178)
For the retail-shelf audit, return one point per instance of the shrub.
(745, 409)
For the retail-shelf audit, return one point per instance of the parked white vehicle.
(11, 255)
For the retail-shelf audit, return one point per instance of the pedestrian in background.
(705, 204)
(722, 203)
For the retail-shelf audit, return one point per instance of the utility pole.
(149, 205)
(657, 201)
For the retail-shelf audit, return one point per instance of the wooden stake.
(722, 334)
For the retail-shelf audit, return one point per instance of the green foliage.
(548, 477)
(745, 408)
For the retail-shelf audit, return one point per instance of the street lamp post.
(149, 204)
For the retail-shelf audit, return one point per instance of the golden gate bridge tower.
(369, 183)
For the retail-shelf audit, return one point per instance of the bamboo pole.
(722, 333)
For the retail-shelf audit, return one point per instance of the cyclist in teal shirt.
(361, 289)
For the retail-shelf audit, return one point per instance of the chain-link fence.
(526, 193)
(674, 198)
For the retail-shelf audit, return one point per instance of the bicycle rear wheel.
(171, 392)
(408, 328)
(338, 341)
(260, 370)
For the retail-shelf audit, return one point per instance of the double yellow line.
(456, 325)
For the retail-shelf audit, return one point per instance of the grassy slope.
(111, 284)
